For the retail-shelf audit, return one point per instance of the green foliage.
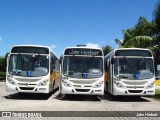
(106, 49)
(3, 64)
(157, 18)
(140, 42)
(2, 75)
(140, 35)
(157, 95)
(119, 42)
(156, 32)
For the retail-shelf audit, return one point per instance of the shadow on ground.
(106, 96)
(31, 96)
(73, 97)
(110, 97)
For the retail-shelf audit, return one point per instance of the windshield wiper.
(127, 61)
(141, 61)
(123, 76)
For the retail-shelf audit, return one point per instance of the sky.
(67, 23)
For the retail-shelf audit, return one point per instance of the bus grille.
(135, 87)
(135, 83)
(81, 86)
(135, 91)
(26, 88)
(82, 90)
(83, 81)
(26, 80)
(25, 84)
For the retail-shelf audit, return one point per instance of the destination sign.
(144, 53)
(30, 49)
(83, 51)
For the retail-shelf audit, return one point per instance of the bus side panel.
(57, 78)
(106, 80)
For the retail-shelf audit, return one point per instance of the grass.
(157, 95)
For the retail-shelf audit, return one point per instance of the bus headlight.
(66, 83)
(9, 78)
(116, 80)
(119, 85)
(98, 85)
(11, 82)
(150, 85)
(43, 83)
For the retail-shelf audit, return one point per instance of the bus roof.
(31, 46)
(85, 47)
(131, 49)
(38, 46)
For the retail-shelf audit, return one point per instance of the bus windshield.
(83, 67)
(134, 68)
(28, 65)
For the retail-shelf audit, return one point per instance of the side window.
(57, 64)
(52, 63)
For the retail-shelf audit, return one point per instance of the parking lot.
(84, 103)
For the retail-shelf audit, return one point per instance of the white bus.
(130, 71)
(82, 71)
(32, 69)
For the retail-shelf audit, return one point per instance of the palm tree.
(157, 20)
(106, 49)
(140, 42)
(156, 32)
(119, 42)
(138, 36)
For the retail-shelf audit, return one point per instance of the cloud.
(0, 38)
(92, 45)
(53, 46)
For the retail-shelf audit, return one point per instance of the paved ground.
(52, 102)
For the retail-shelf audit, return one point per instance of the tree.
(2, 64)
(156, 20)
(119, 42)
(156, 32)
(140, 42)
(139, 36)
(106, 49)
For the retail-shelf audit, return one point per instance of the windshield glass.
(28, 65)
(83, 67)
(134, 68)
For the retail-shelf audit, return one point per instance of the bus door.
(109, 76)
(111, 81)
